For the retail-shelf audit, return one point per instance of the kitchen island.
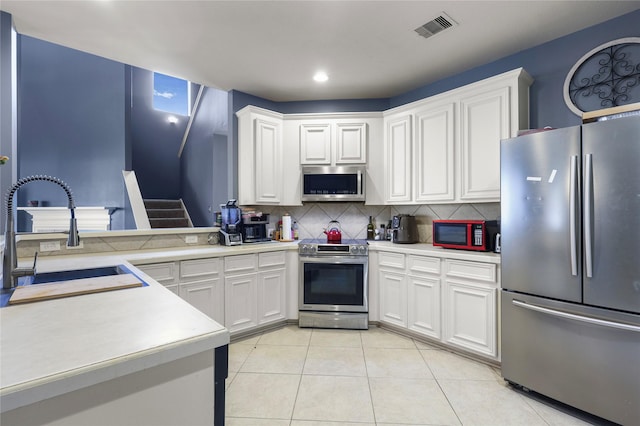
(118, 357)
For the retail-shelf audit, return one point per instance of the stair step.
(168, 223)
(162, 204)
(165, 213)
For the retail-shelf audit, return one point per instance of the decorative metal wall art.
(605, 77)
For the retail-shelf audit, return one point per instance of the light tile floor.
(314, 377)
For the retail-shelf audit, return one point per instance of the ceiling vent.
(436, 25)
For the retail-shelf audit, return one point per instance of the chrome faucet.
(10, 270)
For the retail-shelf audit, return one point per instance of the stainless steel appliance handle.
(588, 200)
(572, 214)
(567, 315)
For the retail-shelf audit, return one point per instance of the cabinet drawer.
(164, 273)
(423, 264)
(199, 268)
(391, 260)
(274, 258)
(473, 270)
(240, 263)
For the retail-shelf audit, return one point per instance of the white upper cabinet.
(265, 173)
(328, 141)
(398, 147)
(484, 121)
(315, 143)
(268, 149)
(433, 156)
(351, 143)
(451, 142)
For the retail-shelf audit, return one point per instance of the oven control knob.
(363, 249)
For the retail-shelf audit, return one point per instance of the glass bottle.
(370, 229)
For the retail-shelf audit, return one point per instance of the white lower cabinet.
(452, 301)
(255, 290)
(166, 273)
(201, 286)
(393, 298)
(197, 281)
(410, 292)
(470, 306)
(424, 295)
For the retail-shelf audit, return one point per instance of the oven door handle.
(335, 260)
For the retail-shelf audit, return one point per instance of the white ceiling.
(271, 48)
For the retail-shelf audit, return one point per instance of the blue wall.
(204, 165)
(547, 63)
(155, 141)
(71, 125)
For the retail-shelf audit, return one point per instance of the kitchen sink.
(70, 275)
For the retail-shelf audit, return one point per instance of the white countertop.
(56, 346)
(424, 249)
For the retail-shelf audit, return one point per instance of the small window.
(171, 94)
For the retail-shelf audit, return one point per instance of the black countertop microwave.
(333, 183)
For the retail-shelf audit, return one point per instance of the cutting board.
(38, 292)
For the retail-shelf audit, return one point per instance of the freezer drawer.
(558, 350)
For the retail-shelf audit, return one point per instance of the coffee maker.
(231, 226)
(254, 227)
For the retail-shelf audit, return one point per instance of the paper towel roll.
(286, 227)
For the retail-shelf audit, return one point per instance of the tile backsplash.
(312, 218)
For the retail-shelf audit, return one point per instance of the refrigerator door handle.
(567, 315)
(588, 200)
(573, 205)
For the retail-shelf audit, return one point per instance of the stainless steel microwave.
(333, 183)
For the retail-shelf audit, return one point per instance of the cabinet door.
(398, 158)
(423, 312)
(240, 297)
(485, 120)
(434, 151)
(393, 298)
(207, 296)
(351, 143)
(471, 316)
(268, 155)
(315, 143)
(271, 296)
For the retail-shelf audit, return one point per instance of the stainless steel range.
(333, 284)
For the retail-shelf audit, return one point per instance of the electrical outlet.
(50, 246)
(191, 239)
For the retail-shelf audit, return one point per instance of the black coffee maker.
(231, 227)
(254, 227)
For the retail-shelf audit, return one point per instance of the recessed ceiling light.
(321, 77)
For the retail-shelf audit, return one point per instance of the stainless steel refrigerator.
(570, 304)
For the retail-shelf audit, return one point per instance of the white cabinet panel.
(165, 273)
(471, 317)
(241, 304)
(240, 263)
(398, 143)
(271, 296)
(351, 143)
(424, 305)
(207, 296)
(268, 151)
(485, 120)
(315, 143)
(434, 154)
(199, 268)
(393, 298)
